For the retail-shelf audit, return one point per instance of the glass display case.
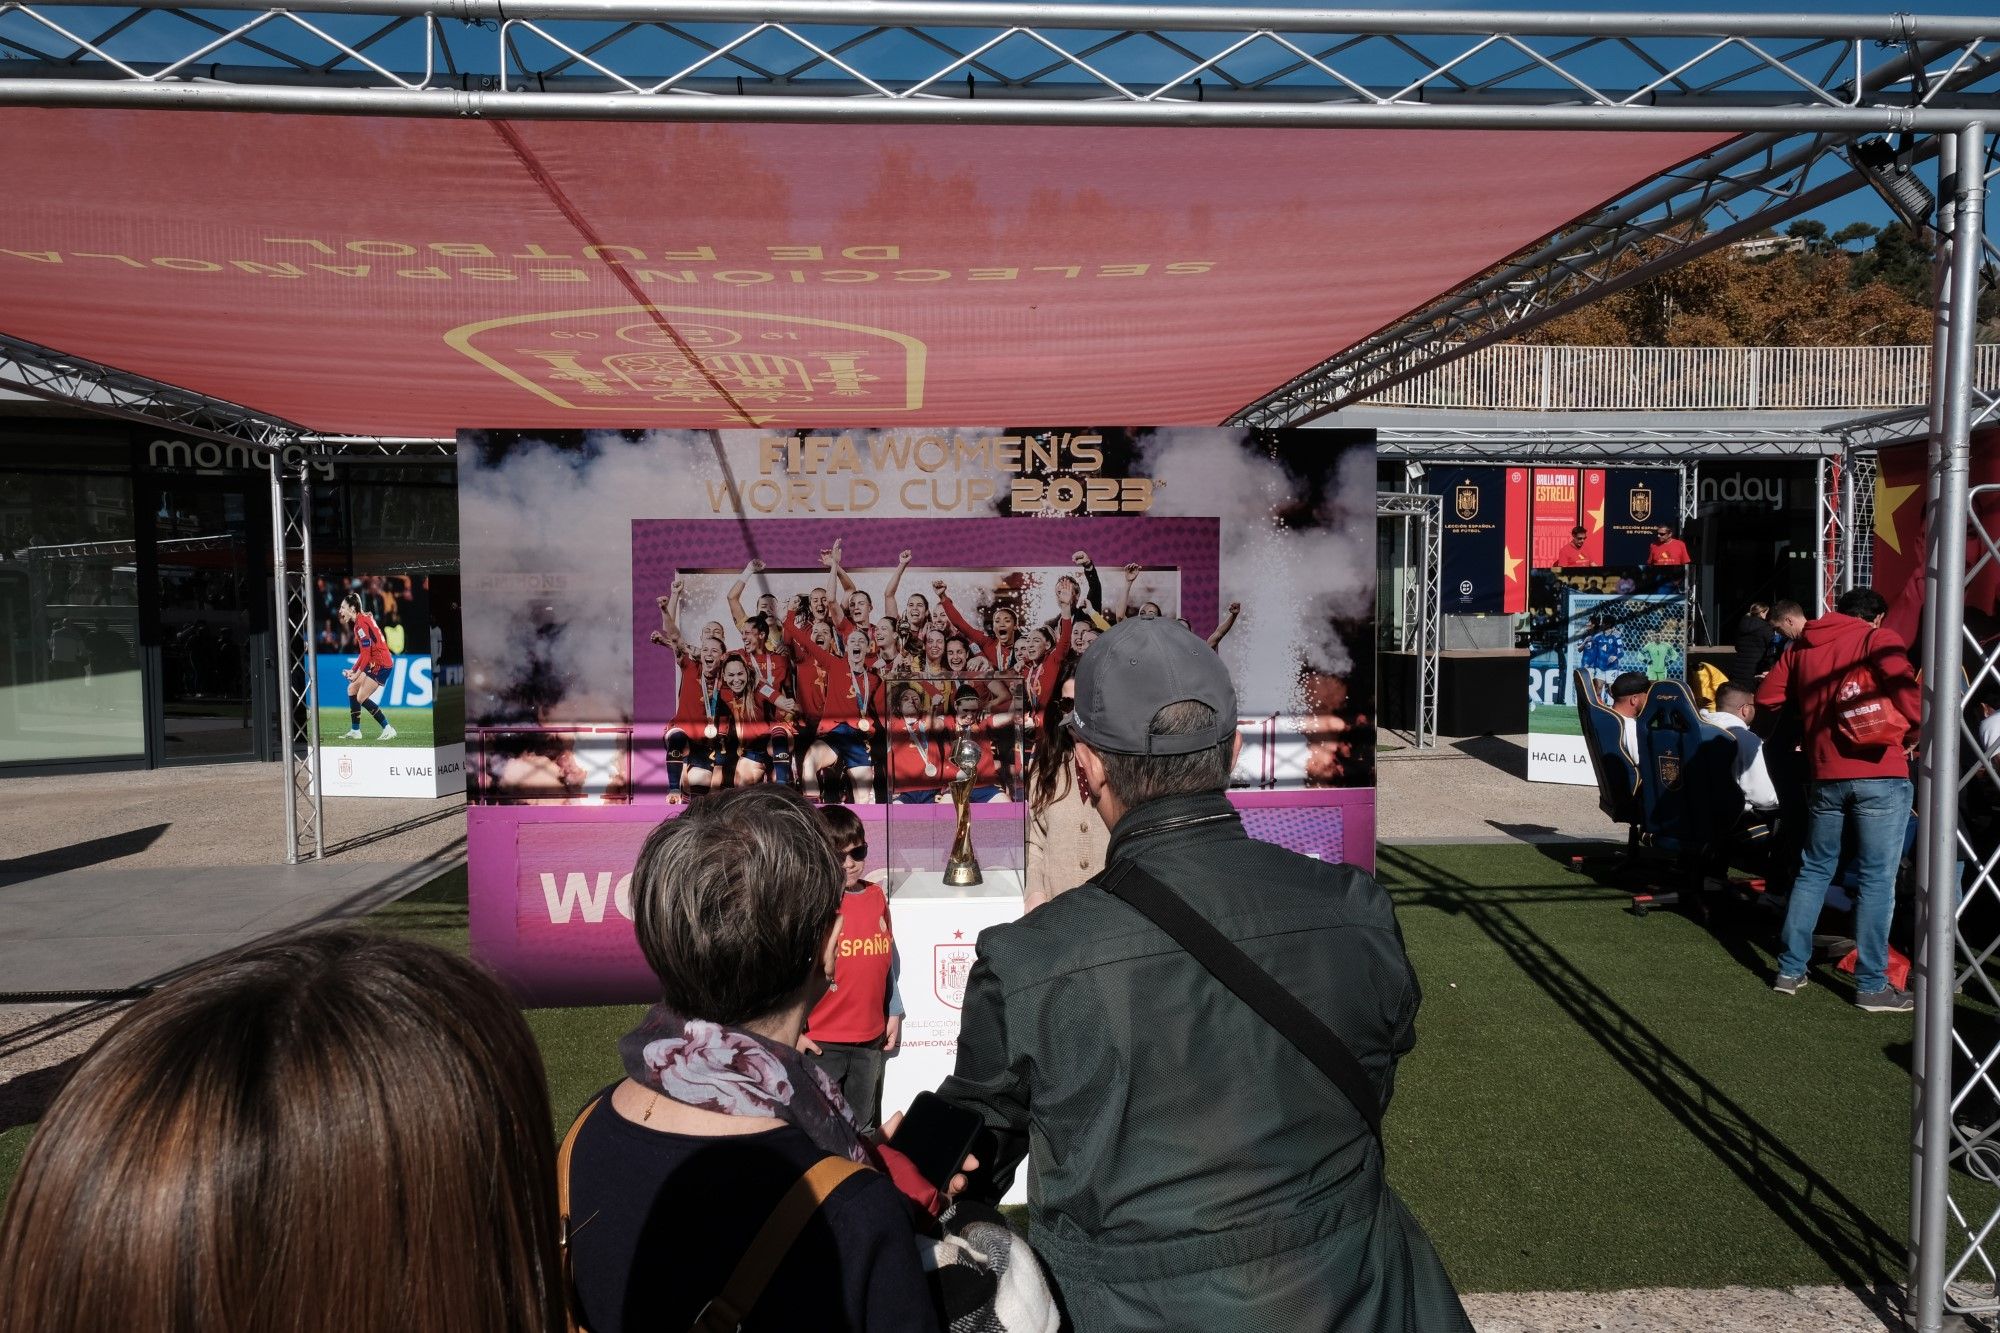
(955, 763)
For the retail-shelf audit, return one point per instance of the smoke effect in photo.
(546, 519)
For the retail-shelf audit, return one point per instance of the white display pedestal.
(936, 926)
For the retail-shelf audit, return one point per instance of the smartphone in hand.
(936, 1136)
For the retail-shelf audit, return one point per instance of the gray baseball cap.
(1136, 668)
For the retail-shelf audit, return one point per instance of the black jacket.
(1191, 1169)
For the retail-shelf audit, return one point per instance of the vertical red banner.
(1558, 492)
(1514, 551)
(1592, 515)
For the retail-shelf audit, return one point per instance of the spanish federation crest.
(1468, 500)
(1669, 765)
(661, 360)
(954, 964)
(1640, 503)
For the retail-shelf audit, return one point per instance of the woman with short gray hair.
(675, 1175)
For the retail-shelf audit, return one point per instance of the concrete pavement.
(1475, 789)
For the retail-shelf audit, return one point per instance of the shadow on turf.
(1855, 1249)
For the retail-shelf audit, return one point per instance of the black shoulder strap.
(1249, 982)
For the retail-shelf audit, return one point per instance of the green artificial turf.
(413, 728)
(1553, 720)
(1602, 1101)
(1595, 1101)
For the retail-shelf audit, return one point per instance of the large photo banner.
(1605, 623)
(390, 696)
(1484, 536)
(653, 615)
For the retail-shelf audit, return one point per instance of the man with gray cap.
(1197, 1045)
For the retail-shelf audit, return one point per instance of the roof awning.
(409, 276)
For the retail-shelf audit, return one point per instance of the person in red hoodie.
(1865, 787)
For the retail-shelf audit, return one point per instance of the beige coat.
(1066, 842)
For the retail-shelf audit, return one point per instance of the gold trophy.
(962, 869)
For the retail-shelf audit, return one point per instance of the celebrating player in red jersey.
(853, 706)
(371, 669)
(916, 762)
(692, 741)
(998, 647)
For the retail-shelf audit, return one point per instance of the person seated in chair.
(1628, 700)
(1735, 706)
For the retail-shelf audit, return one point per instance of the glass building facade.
(136, 587)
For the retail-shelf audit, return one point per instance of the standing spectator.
(858, 1023)
(1864, 788)
(1193, 1169)
(1667, 548)
(1789, 620)
(1066, 839)
(1753, 645)
(675, 1170)
(1571, 554)
(331, 1132)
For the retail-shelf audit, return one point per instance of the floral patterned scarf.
(737, 1072)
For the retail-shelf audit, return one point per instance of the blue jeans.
(1880, 811)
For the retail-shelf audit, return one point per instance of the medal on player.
(917, 739)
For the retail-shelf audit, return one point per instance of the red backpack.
(1863, 711)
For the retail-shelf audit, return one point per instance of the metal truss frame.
(949, 61)
(1423, 565)
(1601, 443)
(1801, 87)
(298, 659)
(42, 372)
(1857, 565)
(1956, 1115)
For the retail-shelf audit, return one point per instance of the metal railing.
(1521, 377)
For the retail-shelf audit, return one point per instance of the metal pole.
(281, 632)
(1945, 594)
(1927, 651)
(311, 657)
(1846, 518)
(1425, 592)
(1896, 28)
(760, 108)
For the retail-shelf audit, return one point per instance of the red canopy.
(408, 277)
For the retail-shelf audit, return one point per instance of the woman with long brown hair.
(1066, 839)
(336, 1131)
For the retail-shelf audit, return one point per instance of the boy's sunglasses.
(858, 852)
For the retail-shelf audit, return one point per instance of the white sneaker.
(351, 734)
(388, 734)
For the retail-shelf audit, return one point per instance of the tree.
(1822, 295)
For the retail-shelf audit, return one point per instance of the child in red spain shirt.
(859, 1022)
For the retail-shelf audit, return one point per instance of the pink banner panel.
(405, 277)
